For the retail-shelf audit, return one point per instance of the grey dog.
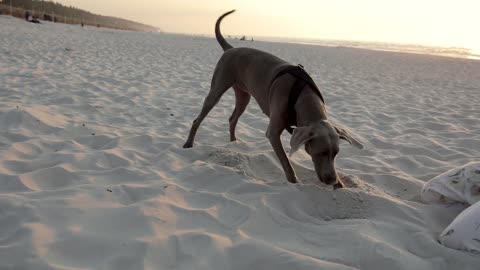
(285, 93)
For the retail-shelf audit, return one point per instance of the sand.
(93, 176)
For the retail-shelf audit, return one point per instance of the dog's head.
(322, 144)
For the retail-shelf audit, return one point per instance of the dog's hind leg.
(242, 99)
(220, 85)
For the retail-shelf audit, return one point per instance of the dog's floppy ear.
(345, 135)
(299, 137)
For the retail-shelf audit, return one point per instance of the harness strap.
(302, 79)
(297, 88)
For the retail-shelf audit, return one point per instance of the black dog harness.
(302, 79)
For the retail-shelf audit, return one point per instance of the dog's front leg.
(338, 185)
(273, 135)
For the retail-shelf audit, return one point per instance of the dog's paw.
(188, 145)
(295, 181)
(338, 185)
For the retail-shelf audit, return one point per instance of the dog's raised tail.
(218, 34)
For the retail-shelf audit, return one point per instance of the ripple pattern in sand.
(93, 176)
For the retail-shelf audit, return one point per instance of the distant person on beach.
(47, 17)
(30, 18)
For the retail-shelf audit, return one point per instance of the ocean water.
(457, 52)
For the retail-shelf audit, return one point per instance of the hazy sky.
(429, 22)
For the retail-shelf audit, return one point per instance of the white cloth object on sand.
(460, 185)
(464, 231)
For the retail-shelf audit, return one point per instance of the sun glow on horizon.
(445, 23)
(476, 50)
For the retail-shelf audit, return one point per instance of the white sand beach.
(93, 174)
